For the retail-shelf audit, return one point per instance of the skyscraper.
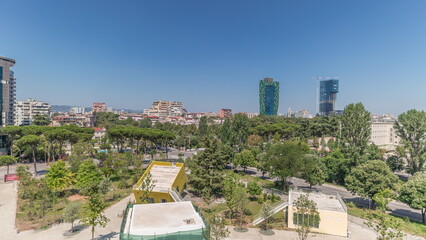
(7, 91)
(327, 96)
(269, 96)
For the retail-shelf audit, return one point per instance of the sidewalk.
(8, 195)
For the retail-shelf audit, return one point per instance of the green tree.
(387, 228)
(22, 171)
(59, 177)
(202, 126)
(240, 129)
(218, 229)
(382, 199)
(355, 133)
(145, 123)
(7, 160)
(241, 203)
(146, 188)
(370, 178)
(244, 159)
(230, 185)
(207, 168)
(226, 133)
(335, 166)
(13, 133)
(92, 212)
(395, 163)
(31, 141)
(87, 175)
(413, 193)
(313, 171)
(254, 189)
(71, 213)
(267, 213)
(411, 128)
(306, 212)
(286, 160)
(41, 120)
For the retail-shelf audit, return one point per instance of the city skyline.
(211, 55)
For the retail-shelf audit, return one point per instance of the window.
(163, 200)
(151, 200)
(301, 219)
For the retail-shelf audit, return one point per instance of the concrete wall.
(332, 222)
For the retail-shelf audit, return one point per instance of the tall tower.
(269, 96)
(7, 91)
(328, 90)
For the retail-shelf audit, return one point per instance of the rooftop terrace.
(323, 201)
(163, 177)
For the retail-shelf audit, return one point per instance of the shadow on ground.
(107, 236)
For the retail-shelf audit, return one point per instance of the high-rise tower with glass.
(328, 90)
(269, 96)
(7, 91)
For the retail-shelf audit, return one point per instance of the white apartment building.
(383, 133)
(8, 84)
(165, 109)
(77, 110)
(27, 110)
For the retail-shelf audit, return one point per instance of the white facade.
(77, 110)
(8, 84)
(27, 110)
(165, 109)
(383, 133)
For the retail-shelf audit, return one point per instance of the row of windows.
(305, 219)
(151, 200)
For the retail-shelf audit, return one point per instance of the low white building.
(27, 110)
(383, 133)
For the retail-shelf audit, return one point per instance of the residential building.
(99, 107)
(77, 110)
(25, 111)
(299, 114)
(174, 220)
(8, 91)
(249, 114)
(383, 133)
(98, 134)
(225, 113)
(168, 179)
(328, 90)
(165, 109)
(82, 120)
(269, 96)
(331, 208)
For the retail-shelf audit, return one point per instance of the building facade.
(328, 90)
(165, 109)
(225, 113)
(269, 96)
(25, 111)
(8, 91)
(99, 107)
(383, 133)
(77, 110)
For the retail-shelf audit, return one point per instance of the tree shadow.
(107, 236)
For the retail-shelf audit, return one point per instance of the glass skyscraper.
(327, 96)
(7, 91)
(269, 96)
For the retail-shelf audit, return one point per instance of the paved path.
(8, 197)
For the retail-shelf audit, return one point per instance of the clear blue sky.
(212, 54)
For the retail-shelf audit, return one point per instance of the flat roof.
(323, 201)
(163, 177)
(162, 218)
(8, 59)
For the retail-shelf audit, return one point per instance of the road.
(395, 207)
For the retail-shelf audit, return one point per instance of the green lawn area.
(409, 226)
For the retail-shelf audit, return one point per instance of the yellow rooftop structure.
(168, 179)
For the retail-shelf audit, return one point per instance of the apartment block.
(25, 111)
(99, 107)
(165, 109)
(8, 91)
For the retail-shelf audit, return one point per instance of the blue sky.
(211, 54)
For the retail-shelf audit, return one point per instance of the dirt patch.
(76, 197)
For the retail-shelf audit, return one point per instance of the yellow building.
(332, 211)
(168, 180)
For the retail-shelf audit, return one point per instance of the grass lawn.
(409, 226)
